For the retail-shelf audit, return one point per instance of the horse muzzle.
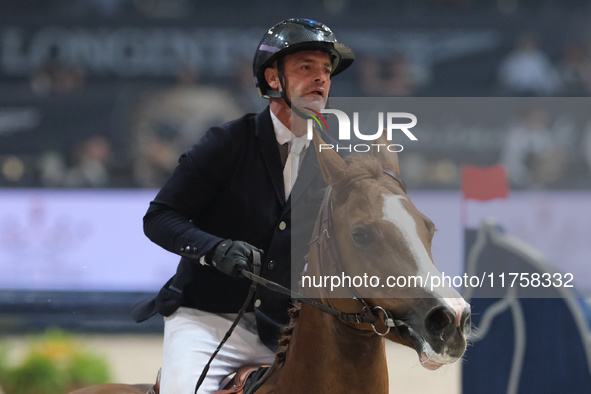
(441, 337)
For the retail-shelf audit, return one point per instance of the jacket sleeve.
(199, 176)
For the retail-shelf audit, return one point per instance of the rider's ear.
(272, 77)
(389, 159)
(332, 165)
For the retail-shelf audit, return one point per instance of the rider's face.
(306, 74)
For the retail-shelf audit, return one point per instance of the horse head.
(377, 237)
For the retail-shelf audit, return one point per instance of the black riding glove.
(231, 257)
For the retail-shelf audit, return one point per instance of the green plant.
(54, 363)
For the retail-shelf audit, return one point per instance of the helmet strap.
(283, 93)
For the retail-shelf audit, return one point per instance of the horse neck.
(327, 356)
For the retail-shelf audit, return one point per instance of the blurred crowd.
(528, 71)
(158, 121)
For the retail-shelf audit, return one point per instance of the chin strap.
(282, 94)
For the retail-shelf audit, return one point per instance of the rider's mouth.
(316, 92)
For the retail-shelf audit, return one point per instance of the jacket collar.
(268, 146)
(270, 151)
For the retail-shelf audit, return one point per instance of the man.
(229, 196)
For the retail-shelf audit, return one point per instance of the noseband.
(321, 241)
(326, 252)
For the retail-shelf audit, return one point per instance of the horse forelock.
(361, 167)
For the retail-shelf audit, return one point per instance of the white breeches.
(190, 338)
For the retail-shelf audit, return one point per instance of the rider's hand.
(231, 257)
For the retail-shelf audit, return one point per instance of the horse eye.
(362, 236)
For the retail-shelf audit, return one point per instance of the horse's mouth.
(429, 364)
(421, 346)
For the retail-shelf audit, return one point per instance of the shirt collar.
(283, 134)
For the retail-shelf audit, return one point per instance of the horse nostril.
(467, 326)
(438, 320)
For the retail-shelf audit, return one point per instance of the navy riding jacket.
(230, 186)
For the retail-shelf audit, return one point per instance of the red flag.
(484, 183)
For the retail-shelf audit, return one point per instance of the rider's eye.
(362, 236)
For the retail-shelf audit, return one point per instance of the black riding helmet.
(293, 35)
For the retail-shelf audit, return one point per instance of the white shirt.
(283, 134)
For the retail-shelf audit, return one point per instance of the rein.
(368, 314)
(256, 264)
(323, 230)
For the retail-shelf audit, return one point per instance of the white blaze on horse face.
(395, 212)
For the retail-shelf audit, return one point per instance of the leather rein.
(321, 241)
(369, 315)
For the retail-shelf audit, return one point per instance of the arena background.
(99, 98)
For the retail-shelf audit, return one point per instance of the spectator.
(92, 164)
(370, 71)
(54, 77)
(530, 154)
(165, 122)
(400, 80)
(394, 78)
(527, 70)
(242, 88)
(575, 71)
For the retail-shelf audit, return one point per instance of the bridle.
(323, 248)
(321, 242)
(325, 251)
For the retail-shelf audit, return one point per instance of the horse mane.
(286, 334)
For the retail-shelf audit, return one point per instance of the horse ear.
(387, 158)
(333, 167)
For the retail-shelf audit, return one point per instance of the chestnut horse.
(367, 226)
